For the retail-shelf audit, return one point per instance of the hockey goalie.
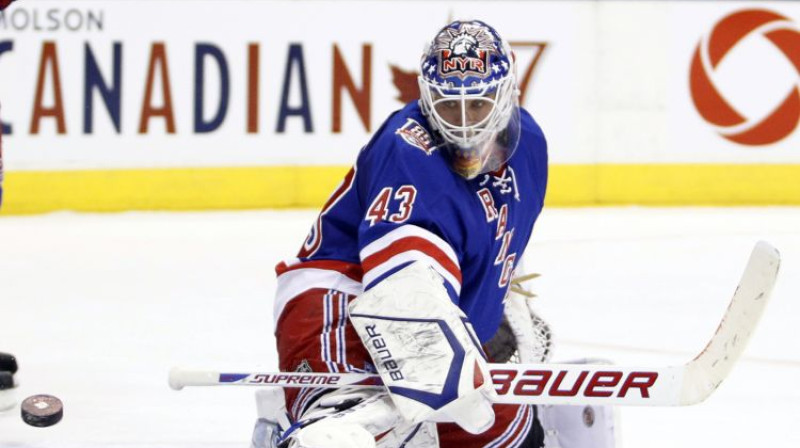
(405, 271)
(396, 322)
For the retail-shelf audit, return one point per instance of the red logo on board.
(712, 105)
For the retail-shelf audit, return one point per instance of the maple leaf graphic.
(406, 84)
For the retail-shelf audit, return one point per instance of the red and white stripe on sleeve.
(405, 244)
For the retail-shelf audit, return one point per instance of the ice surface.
(97, 308)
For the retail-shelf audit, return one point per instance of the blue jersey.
(401, 203)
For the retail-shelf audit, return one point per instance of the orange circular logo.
(712, 105)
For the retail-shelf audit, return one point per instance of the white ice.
(97, 308)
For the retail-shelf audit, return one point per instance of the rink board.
(302, 187)
(662, 102)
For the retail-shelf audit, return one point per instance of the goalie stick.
(680, 385)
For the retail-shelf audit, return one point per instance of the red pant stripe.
(325, 336)
(524, 429)
(332, 338)
(341, 342)
(516, 431)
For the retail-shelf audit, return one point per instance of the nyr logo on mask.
(464, 51)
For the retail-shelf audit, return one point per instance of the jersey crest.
(417, 136)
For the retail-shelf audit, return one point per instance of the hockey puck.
(42, 410)
(8, 363)
(6, 380)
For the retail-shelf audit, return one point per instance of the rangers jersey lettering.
(401, 203)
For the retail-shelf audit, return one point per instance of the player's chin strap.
(425, 350)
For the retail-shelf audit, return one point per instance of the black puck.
(8, 363)
(6, 380)
(42, 410)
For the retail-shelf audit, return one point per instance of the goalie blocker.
(425, 350)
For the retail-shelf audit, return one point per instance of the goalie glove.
(529, 334)
(425, 350)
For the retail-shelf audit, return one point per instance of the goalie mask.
(468, 92)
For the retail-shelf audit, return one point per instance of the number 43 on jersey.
(392, 205)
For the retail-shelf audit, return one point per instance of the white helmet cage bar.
(475, 146)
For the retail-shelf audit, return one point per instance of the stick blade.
(705, 373)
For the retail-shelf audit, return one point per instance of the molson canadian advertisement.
(247, 104)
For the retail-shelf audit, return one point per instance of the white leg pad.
(272, 417)
(358, 426)
(331, 434)
(578, 426)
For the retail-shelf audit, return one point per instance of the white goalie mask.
(468, 92)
